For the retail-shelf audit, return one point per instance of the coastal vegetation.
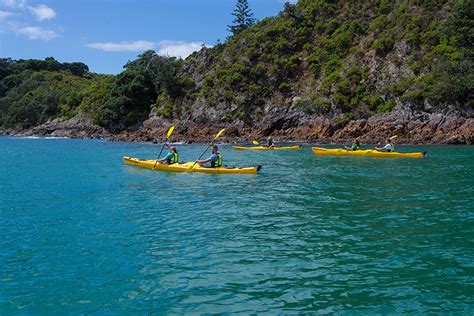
(340, 59)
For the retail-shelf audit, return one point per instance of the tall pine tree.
(243, 17)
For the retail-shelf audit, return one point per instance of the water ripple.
(83, 233)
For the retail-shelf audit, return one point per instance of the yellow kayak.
(365, 153)
(188, 167)
(267, 148)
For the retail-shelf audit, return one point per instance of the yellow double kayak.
(267, 148)
(365, 153)
(187, 167)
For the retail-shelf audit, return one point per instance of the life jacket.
(175, 159)
(218, 162)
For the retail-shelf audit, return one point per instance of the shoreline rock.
(411, 128)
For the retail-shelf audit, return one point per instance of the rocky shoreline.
(411, 128)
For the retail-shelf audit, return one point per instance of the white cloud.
(5, 14)
(178, 49)
(165, 48)
(37, 33)
(19, 8)
(14, 3)
(42, 12)
(136, 46)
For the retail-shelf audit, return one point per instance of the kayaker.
(355, 146)
(270, 142)
(214, 161)
(388, 147)
(172, 157)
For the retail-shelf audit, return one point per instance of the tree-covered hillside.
(338, 59)
(350, 58)
(35, 91)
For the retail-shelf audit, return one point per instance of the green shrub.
(332, 64)
(322, 105)
(343, 121)
(384, 43)
(454, 82)
(378, 23)
(228, 117)
(402, 85)
(354, 73)
(386, 107)
(240, 114)
(340, 99)
(384, 6)
(329, 80)
(284, 87)
(375, 101)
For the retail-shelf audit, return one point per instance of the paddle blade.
(255, 142)
(219, 134)
(170, 131)
(393, 137)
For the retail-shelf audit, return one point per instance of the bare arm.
(203, 161)
(161, 160)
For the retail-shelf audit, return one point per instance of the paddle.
(217, 136)
(255, 142)
(167, 137)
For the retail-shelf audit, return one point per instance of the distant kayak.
(366, 153)
(267, 148)
(188, 167)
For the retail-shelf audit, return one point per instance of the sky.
(105, 34)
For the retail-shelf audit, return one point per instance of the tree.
(243, 17)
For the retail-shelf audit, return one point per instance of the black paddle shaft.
(160, 152)
(203, 153)
(162, 149)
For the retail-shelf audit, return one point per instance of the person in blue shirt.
(214, 161)
(171, 158)
(270, 142)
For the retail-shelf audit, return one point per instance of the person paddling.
(270, 142)
(355, 146)
(171, 158)
(388, 147)
(214, 161)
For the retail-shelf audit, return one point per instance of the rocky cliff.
(320, 71)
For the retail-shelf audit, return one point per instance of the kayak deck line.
(267, 148)
(366, 153)
(189, 167)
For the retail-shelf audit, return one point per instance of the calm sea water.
(81, 232)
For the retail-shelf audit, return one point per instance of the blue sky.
(105, 34)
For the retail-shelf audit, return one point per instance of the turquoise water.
(81, 232)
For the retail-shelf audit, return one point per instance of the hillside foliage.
(338, 58)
